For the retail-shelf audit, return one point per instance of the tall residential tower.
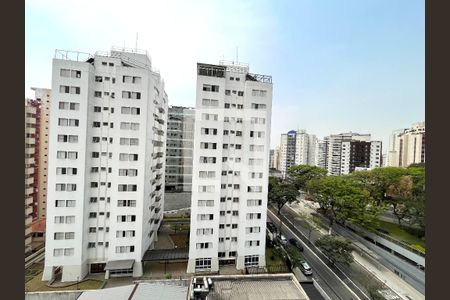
(106, 163)
(230, 167)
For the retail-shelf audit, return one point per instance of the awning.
(119, 264)
(166, 254)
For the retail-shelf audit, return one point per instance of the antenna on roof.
(136, 40)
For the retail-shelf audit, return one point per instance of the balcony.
(158, 198)
(28, 231)
(29, 151)
(29, 180)
(29, 191)
(29, 201)
(28, 210)
(28, 220)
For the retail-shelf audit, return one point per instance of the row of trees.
(358, 197)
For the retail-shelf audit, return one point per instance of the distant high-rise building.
(296, 148)
(106, 163)
(276, 158)
(271, 157)
(30, 161)
(407, 146)
(348, 152)
(41, 102)
(231, 168)
(179, 148)
(321, 158)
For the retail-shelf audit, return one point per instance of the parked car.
(305, 268)
(272, 228)
(282, 240)
(296, 243)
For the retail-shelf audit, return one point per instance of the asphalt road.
(324, 276)
(354, 276)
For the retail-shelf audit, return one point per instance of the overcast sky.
(337, 65)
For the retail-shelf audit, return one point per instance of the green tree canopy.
(337, 249)
(344, 199)
(281, 192)
(302, 174)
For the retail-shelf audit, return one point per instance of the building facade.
(276, 158)
(321, 158)
(106, 163)
(297, 148)
(348, 152)
(30, 160)
(179, 149)
(407, 146)
(230, 167)
(41, 102)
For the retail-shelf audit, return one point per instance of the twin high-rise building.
(107, 156)
(230, 167)
(407, 146)
(106, 163)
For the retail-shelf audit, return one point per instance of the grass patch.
(403, 235)
(274, 257)
(180, 240)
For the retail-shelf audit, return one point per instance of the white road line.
(322, 261)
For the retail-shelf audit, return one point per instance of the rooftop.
(256, 287)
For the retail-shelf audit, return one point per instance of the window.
(204, 245)
(210, 102)
(235, 213)
(254, 243)
(257, 134)
(209, 131)
(256, 148)
(255, 120)
(58, 236)
(58, 252)
(234, 226)
(206, 174)
(204, 231)
(202, 264)
(227, 92)
(258, 106)
(209, 117)
(206, 188)
(251, 260)
(254, 229)
(210, 88)
(253, 175)
(204, 217)
(127, 187)
(253, 216)
(259, 93)
(126, 203)
(254, 189)
(240, 93)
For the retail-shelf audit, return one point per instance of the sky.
(337, 65)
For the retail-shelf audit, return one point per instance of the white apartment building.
(106, 163)
(348, 152)
(321, 157)
(296, 148)
(407, 146)
(230, 167)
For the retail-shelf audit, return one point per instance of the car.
(282, 239)
(305, 268)
(272, 228)
(296, 243)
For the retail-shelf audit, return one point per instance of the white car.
(282, 239)
(306, 269)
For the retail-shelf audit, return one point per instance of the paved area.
(175, 201)
(256, 290)
(157, 270)
(229, 270)
(164, 241)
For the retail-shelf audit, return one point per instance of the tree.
(337, 249)
(302, 174)
(400, 194)
(281, 192)
(343, 199)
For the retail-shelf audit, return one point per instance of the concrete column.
(48, 274)
(107, 274)
(137, 269)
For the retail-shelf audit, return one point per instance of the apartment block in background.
(230, 168)
(407, 146)
(297, 148)
(106, 163)
(30, 161)
(179, 149)
(348, 152)
(321, 157)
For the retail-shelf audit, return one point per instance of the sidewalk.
(385, 275)
(389, 278)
